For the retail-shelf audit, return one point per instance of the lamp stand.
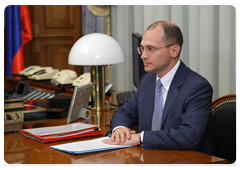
(98, 92)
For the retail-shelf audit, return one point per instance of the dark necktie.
(158, 107)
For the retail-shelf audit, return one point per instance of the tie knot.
(159, 84)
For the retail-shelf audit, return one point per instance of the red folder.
(63, 132)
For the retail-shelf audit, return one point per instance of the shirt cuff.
(142, 134)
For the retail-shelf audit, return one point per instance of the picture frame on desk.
(79, 103)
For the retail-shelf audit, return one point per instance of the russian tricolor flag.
(18, 31)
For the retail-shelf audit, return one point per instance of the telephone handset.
(43, 73)
(64, 77)
(82, 80)
(29, 70)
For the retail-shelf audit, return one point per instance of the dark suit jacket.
(186, 122)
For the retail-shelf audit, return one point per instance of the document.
(88, 146)
(63, 132)
(60, 129)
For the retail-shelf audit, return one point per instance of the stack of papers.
(56, 133)
(88, 146)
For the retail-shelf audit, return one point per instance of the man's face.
(159, 61)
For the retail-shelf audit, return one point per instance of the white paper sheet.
(87, 146)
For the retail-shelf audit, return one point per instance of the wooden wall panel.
(55, 29)
(58, 53)
(59, 16)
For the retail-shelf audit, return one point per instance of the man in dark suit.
(182, 117)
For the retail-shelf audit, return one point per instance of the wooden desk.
(12, 83)
(21, 150)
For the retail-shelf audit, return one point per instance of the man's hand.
(133, 141)
(120, 135)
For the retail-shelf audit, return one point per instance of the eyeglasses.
(150, 50)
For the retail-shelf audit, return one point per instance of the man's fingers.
(115, 137)
(109, 141)
(121, 134)
(133, 132)
(128, 134)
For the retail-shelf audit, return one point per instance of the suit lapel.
(173, 90)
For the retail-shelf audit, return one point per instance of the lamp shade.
(96, 49)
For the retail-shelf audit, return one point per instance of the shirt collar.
(167, 79)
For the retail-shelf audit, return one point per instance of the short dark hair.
(172, 33)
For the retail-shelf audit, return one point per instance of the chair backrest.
(224, 127)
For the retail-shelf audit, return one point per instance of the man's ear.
(175, 51)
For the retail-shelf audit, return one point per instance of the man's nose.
(144, 54)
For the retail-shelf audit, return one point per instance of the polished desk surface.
(22, 150)
(19, 149)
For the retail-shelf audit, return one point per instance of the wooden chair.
(224, 127)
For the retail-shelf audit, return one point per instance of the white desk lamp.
(96, 50)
